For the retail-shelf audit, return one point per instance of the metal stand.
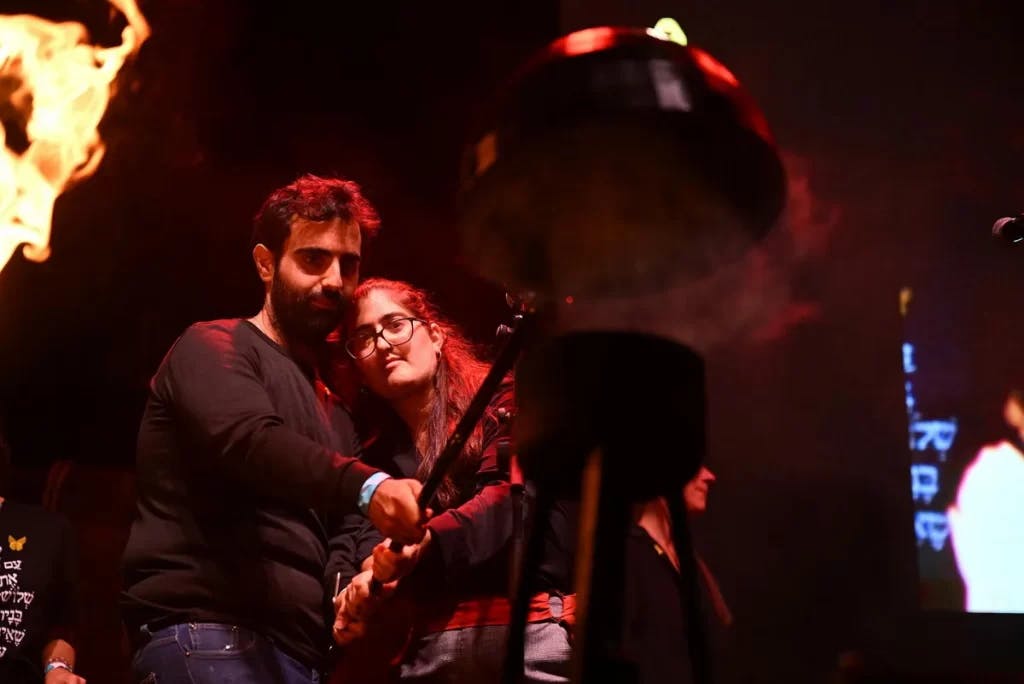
(523, 564)
(697, 639)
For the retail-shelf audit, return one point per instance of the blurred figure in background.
(656, 627)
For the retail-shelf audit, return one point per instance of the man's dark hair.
(315, 199)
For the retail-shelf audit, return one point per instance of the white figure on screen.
(987, 522)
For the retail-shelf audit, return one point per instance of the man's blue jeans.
(213, 653)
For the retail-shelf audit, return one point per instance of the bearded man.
(247, 465)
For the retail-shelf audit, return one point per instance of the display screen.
(965, 419)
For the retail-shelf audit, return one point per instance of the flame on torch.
(54, 90)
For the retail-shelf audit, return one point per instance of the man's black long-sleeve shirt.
(246, 466)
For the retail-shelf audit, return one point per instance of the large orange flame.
(54, 87)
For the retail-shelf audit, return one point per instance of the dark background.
(903, 122)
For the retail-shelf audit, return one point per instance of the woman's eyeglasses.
(395, 331)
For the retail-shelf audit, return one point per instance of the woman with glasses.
(417, 374)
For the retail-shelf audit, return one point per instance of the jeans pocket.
(209, 639)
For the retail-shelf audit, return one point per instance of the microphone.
(1009, 229)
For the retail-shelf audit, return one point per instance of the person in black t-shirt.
(37, 592)
(247, 463)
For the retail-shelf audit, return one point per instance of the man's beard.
(298, 319)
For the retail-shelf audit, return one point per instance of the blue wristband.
(57, 664)
(367, 490)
